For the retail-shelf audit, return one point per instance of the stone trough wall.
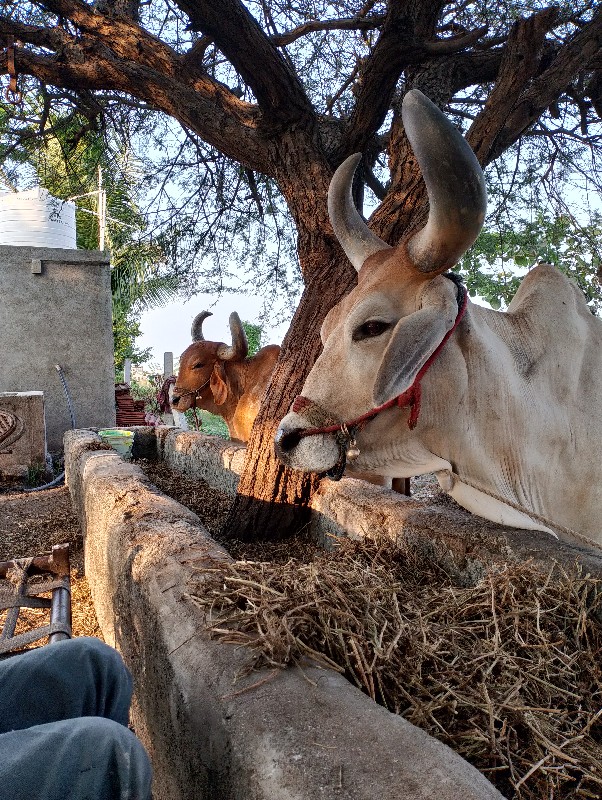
(443, 531)
(292, 735)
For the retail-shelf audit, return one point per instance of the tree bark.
(273, 501)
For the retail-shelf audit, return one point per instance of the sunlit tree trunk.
(272, 500)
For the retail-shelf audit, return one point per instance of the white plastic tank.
(36, 219)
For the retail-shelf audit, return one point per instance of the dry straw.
(506, 672)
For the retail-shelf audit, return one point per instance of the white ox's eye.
(370, 329)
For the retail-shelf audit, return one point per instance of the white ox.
(510, 413)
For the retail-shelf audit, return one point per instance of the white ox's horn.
(196, 331)
(354, 236)
(239, 348)
(454, 183)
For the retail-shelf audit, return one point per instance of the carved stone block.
(22, 432)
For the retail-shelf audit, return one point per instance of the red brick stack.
(129, 411)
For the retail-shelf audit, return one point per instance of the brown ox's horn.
(454, 182)
(196, 331)
(354, 236)
(239, 347)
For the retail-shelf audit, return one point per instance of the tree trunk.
(272, 500)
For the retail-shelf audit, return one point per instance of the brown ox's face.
(201, 380)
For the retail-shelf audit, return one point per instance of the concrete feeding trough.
(283, 735)
(301, 734)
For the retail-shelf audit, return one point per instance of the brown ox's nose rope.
(411, 398)
(195, 392)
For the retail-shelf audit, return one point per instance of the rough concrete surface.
(293, 735)
(442, 531)
(22, 432)
(56, 309)
(214, 460)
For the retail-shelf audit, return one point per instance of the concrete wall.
(56, 309)
(212, 734)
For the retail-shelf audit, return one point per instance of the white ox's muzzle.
(319, 452)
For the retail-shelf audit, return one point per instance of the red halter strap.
(410, 398)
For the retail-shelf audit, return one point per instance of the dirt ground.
(30, 524)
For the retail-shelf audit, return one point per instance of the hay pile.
(508, 673)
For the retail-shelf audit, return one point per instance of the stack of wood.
(129, 411)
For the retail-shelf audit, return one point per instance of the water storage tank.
(36, 219)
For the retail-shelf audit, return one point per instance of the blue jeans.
(63, 726)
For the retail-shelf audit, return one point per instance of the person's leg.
(73, 678)
(76, 759)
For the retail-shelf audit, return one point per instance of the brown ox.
(505, 408)
(221, 379)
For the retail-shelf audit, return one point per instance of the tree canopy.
(200, 90)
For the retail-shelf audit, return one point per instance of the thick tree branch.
(456, 43)
(593, 90)
(136, 66)
(50, 38)
(374, 184)
(129, 9)
(442, 78)
(196, 54)
(578, 55)
(402, 42)
(520, 63)
(239, 37)
(125, 37)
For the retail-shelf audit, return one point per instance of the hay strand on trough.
(506, 672)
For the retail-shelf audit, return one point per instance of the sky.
(167, 329)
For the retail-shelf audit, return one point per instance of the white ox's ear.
(414, 340)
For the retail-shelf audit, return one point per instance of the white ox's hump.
(555, 339)
(546, 289)
(553, 431)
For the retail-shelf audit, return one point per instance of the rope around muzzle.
(194, 392)
(346, 432)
